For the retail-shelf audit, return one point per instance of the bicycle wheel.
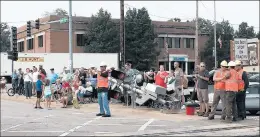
(11, 92)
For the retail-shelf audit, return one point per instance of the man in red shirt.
(160, 76)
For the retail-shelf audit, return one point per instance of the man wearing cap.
(231, 87)
(243, 84)
(129, 78)
(102, 89)
(219, 90)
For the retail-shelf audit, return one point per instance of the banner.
(30, 59)
(241, 49)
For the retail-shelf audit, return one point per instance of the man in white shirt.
(35, 78)
(28, 78)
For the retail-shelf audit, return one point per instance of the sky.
(17, 13)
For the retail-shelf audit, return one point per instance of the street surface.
(19, 118)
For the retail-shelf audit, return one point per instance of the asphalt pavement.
(21, 119)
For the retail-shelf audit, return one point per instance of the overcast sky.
(18, 12)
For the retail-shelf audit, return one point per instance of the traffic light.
(37, 24)
(29, 28)
(10, 55)
(14, 38)
(15, 55)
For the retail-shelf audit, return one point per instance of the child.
(57, 89)
(47, 93)
(39, 89)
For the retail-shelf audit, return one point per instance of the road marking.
(104, 132)
(78, 127)
(146, 124)
(37, 131)
(126, 119)
(24, 123)
(124, 125)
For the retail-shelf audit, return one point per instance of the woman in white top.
(35, 78)
(28, 78)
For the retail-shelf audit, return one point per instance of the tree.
(102, 35)
(175, 20)
(258, 35)
(204, 25)
(58, 11)
(244, 31)
(5, 38)
(226, 32)
(139, 39)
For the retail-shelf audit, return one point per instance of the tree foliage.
(5, 38)
(58, 11)
(139, 39)
(226, 32)
(102, 34)
(245, 31)
(175, 20)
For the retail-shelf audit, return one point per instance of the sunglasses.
(202, 66)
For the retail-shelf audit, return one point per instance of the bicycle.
(19, 91)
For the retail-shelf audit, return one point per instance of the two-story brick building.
(54, 38)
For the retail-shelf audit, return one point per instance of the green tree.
(102, 34)
(226, 32)
(205, 25)
(140, 45)
(5, 38)
(58, 11)
(245, 31)
(175, 20)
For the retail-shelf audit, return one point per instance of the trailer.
(57, 61)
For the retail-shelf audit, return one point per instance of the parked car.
(252, 98)
(254, 78)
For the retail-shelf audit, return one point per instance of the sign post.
(241, 49)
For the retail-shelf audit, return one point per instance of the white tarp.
(241, 51)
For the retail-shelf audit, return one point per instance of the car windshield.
(254, 89)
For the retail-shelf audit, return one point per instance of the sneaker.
(99, 114)
(106, 115)
(35, 107)
(40, 107)
(200, 113)
(206, 114)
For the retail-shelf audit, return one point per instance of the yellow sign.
(30, 59)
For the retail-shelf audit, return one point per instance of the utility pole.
(197, 58)
(70, 38)
(215, 36)
(122, 37)
(11, 49)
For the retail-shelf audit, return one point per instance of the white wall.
(59, 60)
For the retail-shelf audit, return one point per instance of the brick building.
(54, 38)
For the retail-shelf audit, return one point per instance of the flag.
(220, 41)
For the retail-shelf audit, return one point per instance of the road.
(21, 119)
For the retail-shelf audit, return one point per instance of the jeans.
(28, 88)
(230, 104)
(103, 103)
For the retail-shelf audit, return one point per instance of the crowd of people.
(230, 84)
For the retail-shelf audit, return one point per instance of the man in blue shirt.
(39, 89)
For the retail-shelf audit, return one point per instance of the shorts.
(47, 96)
(39, 94)
(203, 95)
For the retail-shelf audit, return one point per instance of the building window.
(21, 46)
(80, 40)
(169, 42)
(188, 42)
(176, 42)
(40, 41)
(161, 42)
(30, 44)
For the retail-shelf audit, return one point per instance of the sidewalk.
(116, 109)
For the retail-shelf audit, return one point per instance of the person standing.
(219, 90)
(39, 90)
(15, 80)
(150, 76)
(129, 78)
(42, 70)
(243, 84)
(28, 83)
(35, 78)
(178, 87)
(231, 87)
(160, 77)
(20, 75)
(102, 88)
(202, 91)
(83, 76)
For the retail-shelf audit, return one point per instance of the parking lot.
(21, 119)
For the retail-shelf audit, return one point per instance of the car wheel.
(253, 112)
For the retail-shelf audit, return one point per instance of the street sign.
(63, 20)
(241, 51)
